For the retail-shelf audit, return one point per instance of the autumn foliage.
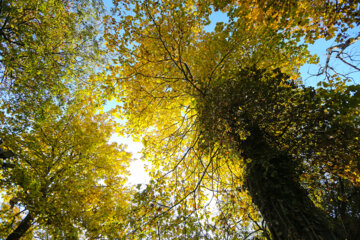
(236, 146)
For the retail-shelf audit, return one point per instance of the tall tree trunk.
(274, 186)
(24, 225)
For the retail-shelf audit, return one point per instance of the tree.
(64, 177)
(46, 50)
(263, 107)
(60, 176)
(223, 112)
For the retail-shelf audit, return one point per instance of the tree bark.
(24, 225)
(274, 186)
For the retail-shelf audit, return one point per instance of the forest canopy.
(237, 146)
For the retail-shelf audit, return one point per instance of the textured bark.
(22, 228)
(254, 103)
(275, 189)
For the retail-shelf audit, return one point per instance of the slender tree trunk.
(24, 225)
(274, 186)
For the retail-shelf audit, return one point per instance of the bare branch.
(339, 50)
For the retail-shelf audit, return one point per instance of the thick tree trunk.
(24, 225)
(275, 189)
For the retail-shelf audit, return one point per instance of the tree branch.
(24, 225)
(339, 49)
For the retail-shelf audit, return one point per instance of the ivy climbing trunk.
(249, 109)
(274, 186)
